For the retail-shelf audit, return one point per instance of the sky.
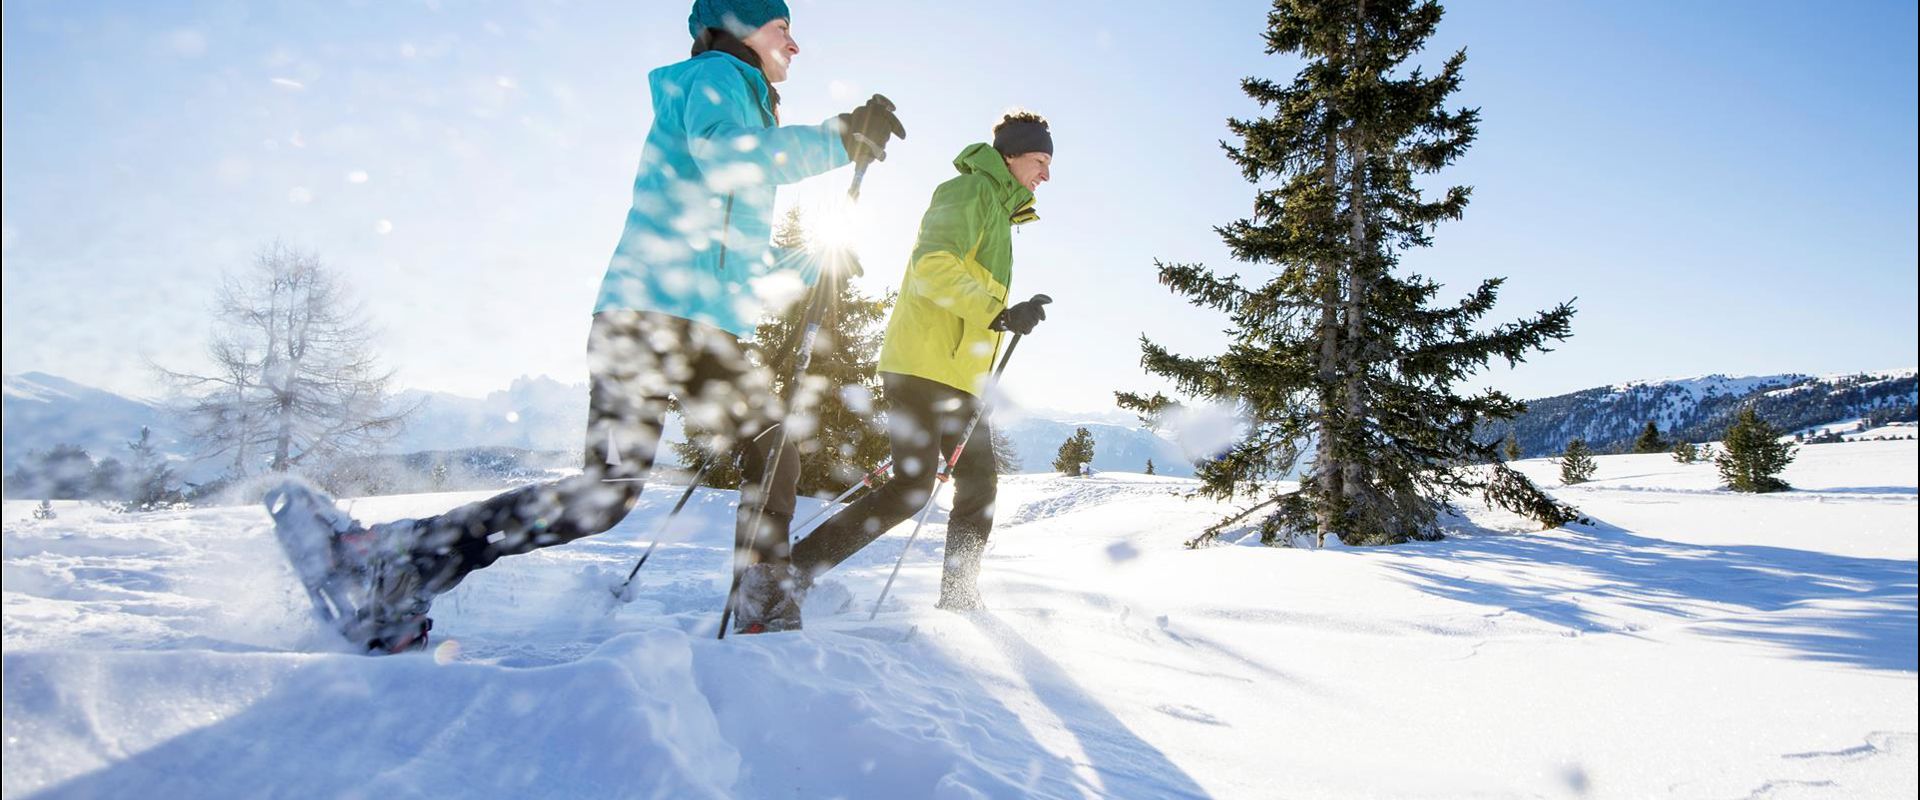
(1725, 188)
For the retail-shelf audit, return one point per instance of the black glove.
(865, 130)
(1021, 317)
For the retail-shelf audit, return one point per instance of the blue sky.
(1725, 187)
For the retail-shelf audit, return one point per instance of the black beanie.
(1017, 136)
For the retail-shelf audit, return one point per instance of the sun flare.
(832, 225)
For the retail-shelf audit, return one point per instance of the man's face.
(1031, 169)
(774, 43)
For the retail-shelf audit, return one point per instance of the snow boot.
(363, 582)
(769, 599)
(960, 576)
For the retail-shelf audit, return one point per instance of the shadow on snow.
(1841, 609)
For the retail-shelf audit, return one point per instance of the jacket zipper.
(726, 224)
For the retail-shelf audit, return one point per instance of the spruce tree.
(1064, 460)
(1685, 453)
(1149, 466)
(1339, 345)
(109, 481)
(1754, 455)
(152, 478)
(1513, 447)
(1509, 489)
(1074, 453)
(1576, 462)
(1649, 441)
(834, 424)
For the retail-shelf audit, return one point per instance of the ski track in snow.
(1687, 643)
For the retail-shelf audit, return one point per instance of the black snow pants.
(925, 421)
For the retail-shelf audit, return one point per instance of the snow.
(1700, 386)
(1850, 430)
(1833, 383)
(1689, 643)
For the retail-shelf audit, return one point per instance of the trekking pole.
(706, 466)
(619, 592)
(872, 152)
(816, 310)
(946, 470)
(866, 482)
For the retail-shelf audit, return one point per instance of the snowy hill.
(1689, 643)
(1699, 409)
(45, 410)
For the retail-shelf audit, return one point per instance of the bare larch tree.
(294, 378)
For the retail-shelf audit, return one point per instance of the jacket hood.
(981, 159)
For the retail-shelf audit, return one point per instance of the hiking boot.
(364, 582)
(769, 599)
(960, 577)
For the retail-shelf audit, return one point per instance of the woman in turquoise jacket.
(681, 290)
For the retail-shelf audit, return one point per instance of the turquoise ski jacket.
(698, 237)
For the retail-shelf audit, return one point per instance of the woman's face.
(774, 43)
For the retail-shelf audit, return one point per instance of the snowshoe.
(362, 581)
(769, 599)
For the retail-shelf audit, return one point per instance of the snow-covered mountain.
(46, 410)
(535, 413)
(541, 414)
(1699, 409)
(1116, 448)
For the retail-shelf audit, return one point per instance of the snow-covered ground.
(1852, 430)
(1689, 643)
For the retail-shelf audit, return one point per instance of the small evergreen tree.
(1074, 453)
(1649, 441)
(44, 510)
(109, 480)
(1149, 466)
(150, 482)
(62, 473)
(1754, 455)
(839, 400)
(1686, 453)
(1006, 458)
(1513, 447)
(1576, 463)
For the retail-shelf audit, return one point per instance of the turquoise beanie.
(738, 17)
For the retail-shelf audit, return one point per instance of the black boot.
(960, 578)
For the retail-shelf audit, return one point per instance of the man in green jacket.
(940, 345)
